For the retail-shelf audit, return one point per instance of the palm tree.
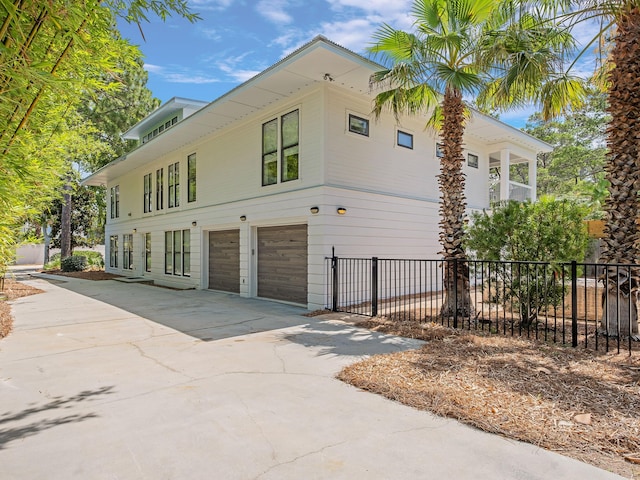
(620, 24)
(461, 48)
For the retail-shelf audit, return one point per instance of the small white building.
(250, 193)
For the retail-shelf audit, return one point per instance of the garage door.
(224, 260)
(282, 263)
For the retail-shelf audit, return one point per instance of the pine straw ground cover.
(578, 403)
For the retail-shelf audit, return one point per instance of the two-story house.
(251, 192)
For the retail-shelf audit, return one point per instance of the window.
(405, 139)
(147, 252)
(358, 125)
(115, 201)
(290, 146)
(161, 128)
(191, 178)
(127, 251)
(287, 143)
(174, 185)
(472, 160)
(113, 251)
(177, 252)
(439, 150)
(160, 189)
(147, 193)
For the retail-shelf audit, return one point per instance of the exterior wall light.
(135, 230)
(243, 218)
(341, 210)
(314, 210)
(194, 223)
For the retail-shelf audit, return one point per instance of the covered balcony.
(512, 176)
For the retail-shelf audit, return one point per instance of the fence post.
(334, 283)
(455, 292)
(374, 286)
(574, 303)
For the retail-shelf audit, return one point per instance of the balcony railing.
(517, 191)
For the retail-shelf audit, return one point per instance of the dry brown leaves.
(581, 404)
(12, 290)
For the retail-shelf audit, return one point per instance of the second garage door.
(282, 263)
(224, 260)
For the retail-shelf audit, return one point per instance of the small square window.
(405, 139)
(359, 125)
(472, 160)
(439, 150)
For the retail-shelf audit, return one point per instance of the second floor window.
(160, 189)
(280, 148)
(174, 185)
(191, 178)
(115, 201)
(148, 195)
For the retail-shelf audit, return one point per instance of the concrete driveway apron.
(108, 380)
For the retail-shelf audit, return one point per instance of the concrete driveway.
(107, 380)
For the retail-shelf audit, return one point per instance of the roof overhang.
(319, 61)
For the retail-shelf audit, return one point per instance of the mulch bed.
(86, 275)
(579, 403)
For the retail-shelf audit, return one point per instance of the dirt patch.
(12, 290)
(86, 275)
(579, 403)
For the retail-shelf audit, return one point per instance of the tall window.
(113, 251)
(115, 201)
(160, 189)
(191, 178)
(177, 252)
(174, 185)
(147, 252)
(127, 251)
(148, 195)
(284, 147)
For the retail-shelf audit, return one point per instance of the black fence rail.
(577, 304)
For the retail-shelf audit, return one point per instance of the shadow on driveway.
(13, 427)
(203, 314)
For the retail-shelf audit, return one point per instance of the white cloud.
(353, 34)
(176, 74)
(202, 5)
(274, 11)
(229, 66)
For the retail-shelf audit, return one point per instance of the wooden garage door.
(224, 260)
(282, 263)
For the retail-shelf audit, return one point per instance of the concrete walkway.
(106, 380)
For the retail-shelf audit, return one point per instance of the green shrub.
(75, 263)
(92, 259)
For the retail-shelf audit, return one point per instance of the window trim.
(127, 251)
(350, 127)
(170, 252)
(113, 251)
(147, 206)
(174, 185)
(277, 155)
(191, 180)
(407, 134)
(147, 252)
(115, 201)
(160, 188)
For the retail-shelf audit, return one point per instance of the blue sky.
(237, 39)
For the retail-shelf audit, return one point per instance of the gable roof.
(318, 61)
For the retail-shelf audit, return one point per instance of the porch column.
(533, 177)
(505, 161)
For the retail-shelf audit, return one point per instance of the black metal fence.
(577, 304)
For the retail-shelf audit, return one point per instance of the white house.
(250, 193)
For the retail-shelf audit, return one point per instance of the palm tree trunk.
(621, 242)
(457, 298)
